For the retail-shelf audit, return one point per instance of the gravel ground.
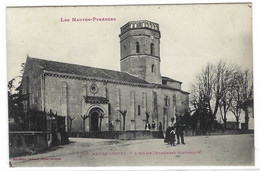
(222, 150)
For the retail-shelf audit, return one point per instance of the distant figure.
(111, 126)
(147, 126)
(153, 125)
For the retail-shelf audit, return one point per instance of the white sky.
(192, 36)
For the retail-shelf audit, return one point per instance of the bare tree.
(226, 77)
(248, 95)
(70, 123)
(147, 116)
(206, 87)
(123, 113)
(212, 92)
(84, 117)
(101, 117)
(242, 93)
(205, 95)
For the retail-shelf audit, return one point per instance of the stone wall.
(136, 100)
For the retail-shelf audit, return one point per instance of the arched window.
(135, 25)
(137, 47)
(131, 26)
(152, 49)
(152, 68)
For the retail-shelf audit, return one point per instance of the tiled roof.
(67, 68)
(171, 88)
(170, 79)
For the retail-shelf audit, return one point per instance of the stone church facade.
(101, 95)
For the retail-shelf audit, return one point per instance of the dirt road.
(223, 150)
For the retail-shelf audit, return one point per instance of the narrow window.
(174, 100)
(152, 68)
(165, 101)
(152, 49)
(125, 50)
(139, 110)
(137, 47)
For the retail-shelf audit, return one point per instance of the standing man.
(179, 130)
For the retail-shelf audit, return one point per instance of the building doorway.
(95, 120)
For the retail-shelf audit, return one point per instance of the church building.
(95, 99)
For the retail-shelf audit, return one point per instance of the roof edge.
(52, 73)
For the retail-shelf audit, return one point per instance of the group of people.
(147, 126)
(172, 130)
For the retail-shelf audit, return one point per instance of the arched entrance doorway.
(95, 120)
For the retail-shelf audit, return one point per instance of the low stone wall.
(216, 132)
(127, 135)
(27, 142)
(137, 135)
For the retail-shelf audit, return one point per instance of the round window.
(93, 88)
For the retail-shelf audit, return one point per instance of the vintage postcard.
(130, 85)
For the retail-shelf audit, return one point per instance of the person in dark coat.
(168, 130)
(172, 137)
(179, 131)
(166, 139)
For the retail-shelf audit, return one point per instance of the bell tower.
(140, 50)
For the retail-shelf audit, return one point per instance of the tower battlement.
(131, 25)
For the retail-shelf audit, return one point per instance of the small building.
(231, 125)
(93, 99)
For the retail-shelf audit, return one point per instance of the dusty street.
(223, 150)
